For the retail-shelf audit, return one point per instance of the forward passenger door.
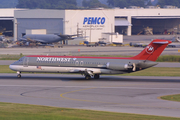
(25, 62)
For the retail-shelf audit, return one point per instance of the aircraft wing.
(79, 38)
(70, 37)
(87, 71)
(67, 37)
(39, 40)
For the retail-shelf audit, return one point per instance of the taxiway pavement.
(127, 94)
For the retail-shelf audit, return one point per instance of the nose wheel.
(19, 74)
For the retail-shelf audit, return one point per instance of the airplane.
(91, 66)
(175, 39)
(45, 38)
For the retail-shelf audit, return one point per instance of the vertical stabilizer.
(153, 50)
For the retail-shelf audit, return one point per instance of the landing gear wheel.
(87, 77)
(96, 76)
(19, 75)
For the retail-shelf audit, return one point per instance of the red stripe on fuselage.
(90, 57)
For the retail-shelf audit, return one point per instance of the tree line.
(141, 3)
(169, 2)
(8, 3)
(47, 4)
(87, 4)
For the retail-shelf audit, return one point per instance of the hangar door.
(158, 25)
(121, 25)
(6, 26)
(52, 25)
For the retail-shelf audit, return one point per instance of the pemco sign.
(93, 23)
(94, 20)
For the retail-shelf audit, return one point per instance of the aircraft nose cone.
(12, 67)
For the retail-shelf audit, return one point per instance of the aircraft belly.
(108, 71)
(62, 69)
(50, 69)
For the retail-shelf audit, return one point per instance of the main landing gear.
(18, 74)
(88, 77)
(96, 76)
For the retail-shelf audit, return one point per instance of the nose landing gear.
(19, 74)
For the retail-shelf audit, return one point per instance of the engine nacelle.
(118, 66)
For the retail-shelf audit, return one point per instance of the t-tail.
(153, 50)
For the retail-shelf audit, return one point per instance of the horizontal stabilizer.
(163, 42)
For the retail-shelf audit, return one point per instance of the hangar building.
(7, 21)
(94, 23)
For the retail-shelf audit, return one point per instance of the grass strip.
(171, 97)
(11, 57)
(5, 69)
(13, 111)
(168, 58)
(156, 71)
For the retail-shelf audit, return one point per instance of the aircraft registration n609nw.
(91, 66)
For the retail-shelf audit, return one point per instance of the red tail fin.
(153, 50)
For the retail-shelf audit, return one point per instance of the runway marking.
(134, 105)
(85, 88)
(82, 99)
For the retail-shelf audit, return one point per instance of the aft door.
(25, 62)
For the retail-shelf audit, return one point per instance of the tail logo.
(149, 49)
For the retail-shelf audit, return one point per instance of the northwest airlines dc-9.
(91, 66)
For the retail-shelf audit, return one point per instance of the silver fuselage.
(78, 64)
(45, 39)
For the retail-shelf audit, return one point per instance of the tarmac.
(125, 94)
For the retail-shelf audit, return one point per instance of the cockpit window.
(21, 59)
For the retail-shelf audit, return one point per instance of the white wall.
(74, 18)
(7, 12)
(147, 12)
(110, 38)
